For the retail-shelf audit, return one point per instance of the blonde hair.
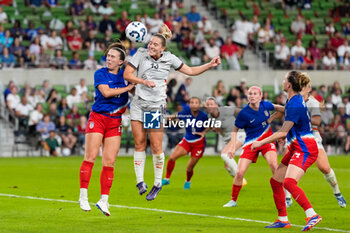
(304, 80)
(164, 34)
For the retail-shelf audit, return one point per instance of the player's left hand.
(215, 62)
(255, 145)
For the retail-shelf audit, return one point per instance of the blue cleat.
(312, 221)
(340, 199)
(187, 185)
(153, 193)
(231, 203)
(142, 187)
(279, 224)
(289, 202)
(165, 181)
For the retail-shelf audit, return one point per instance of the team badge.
(92, 124)
(266, 113)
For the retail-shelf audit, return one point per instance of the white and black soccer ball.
(136, 31)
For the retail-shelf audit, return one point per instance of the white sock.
(83, 193)
(332, 180)
(139, 165)
(310, 212)
(283, 218)
(287, 194)
(230, 165)
(158, 163)
(104, 197)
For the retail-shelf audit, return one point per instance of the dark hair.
(118, 46)
(298, 80)
(194, 97)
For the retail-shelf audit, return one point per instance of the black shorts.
(240, 45)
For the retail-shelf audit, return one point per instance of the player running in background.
(322, 161)
(193, 142)
(227, 116)
(104, 125)
(253, 119)
(302, 152)
(153, 66)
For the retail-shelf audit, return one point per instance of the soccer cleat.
(231, 203)
(279, 224)
(84, 204)
(289, 202)
(187, 185)
(340, 199)
(142, 187)
(165, 181)
(244, 182)
(103, 206)
(153, 193)
(312, 221)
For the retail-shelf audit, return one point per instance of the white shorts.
(138, 106)
(240, 137)
(318, 140)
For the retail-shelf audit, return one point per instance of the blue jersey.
(255, 122)
(111, 105)
(191, 123)
(300, 137)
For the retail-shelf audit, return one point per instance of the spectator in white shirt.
(22, 111)
(12, 99)
(297, 52)
(347, 105)
(34, 117)
(73, 98)
(329, 61)
(242, 31)
(105, 9)
(154, 23)
(90, 63)
(256, 24)
(336, 97)
(54, 42)
(206, 25)
(343, 48)
(298, 26)
(3, 16)
(81, 87)
(282, 54)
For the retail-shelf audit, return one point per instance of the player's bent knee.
(289, 183)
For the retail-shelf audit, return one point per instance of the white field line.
(167, 211)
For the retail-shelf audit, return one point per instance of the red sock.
(106, 180)
(235, 191)
(85, 174)
(169, 168)
(279, 197)
(189, 175)
(297, 193)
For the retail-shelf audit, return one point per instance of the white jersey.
(314, 108)
(227, 118)
(153, 70)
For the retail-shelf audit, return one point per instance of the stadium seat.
(59, 88)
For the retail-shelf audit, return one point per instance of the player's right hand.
(149, 84)
(131, 86)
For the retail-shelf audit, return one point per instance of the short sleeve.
(134, 62)
(99, 78)
(176, 63)
(268, 105)
(240, 123)
(314, 109)
(292, 113)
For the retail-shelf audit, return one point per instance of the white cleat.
(84, 204)
(231, 203)
(103, 206)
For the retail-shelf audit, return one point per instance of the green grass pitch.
(57, 178)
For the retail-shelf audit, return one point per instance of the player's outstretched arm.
(316, 120)
(282, 133)
(130, 77)
(274, 116)
(196, 70)
(278, 108)
(111, 92)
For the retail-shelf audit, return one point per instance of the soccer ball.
(136, 31)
